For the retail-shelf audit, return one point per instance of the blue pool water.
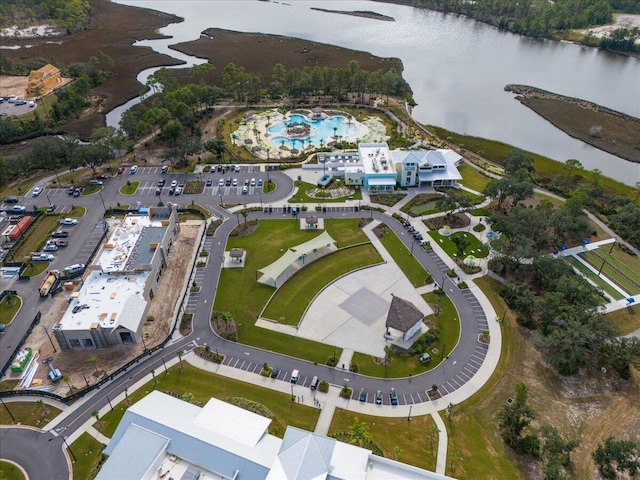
(324, 129)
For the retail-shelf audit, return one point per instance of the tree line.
(535, 17)
(174, 110)
(560, 307)
(68, 16)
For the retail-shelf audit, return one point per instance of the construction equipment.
(54, 374)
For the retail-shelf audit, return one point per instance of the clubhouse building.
(377, 168)
(164, 437)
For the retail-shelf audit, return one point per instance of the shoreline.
(608, 130)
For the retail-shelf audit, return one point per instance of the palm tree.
(358, 433)
(94, 361)
(153, 374)
(180, 353)
(66, 379)
(96, 414)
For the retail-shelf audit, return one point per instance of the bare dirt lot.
(77, 365)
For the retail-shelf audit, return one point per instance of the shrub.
(346, 392)
(479, 227)
(353, 367)
(332, 362)
(463, 285)
(323, 386)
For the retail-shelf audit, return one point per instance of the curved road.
(462, 363)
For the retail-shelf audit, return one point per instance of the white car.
(36, 191)
(41, 257)
(221, 183)
(174, 183)
(69, 221)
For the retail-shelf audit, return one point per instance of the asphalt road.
(450, 375)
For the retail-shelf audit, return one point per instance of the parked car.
(245, 190)
(237, 168)
(363, 395)
(102, 177)
(275, 372)
(77, 191)
(165, 168)
(50, 247)
(158, 191)
(51, 208)
(60, 242)
(36, 191)
(69, 221)
(133, 169)
(393, 397)
(228, 182)
(60, 234)
(71, 190)
(95, 182)
(259, 182)
(174, 183)
(41, 257)
(11, 199)
(17, 210)
(235, 182)
(172, 190)
(120, 170)
(425, 358)
(161, 182)
(209, 182)
(221, 183)
(253, 182)
(181, 183)
(177, 191)
(379, 397)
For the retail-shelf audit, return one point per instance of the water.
(456, 67)
(321, 129)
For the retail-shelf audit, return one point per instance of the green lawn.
(472, 428)
(612, 292)
(7, 312)
(475, 247)
(448, 322)
(626, 269)
(204, 385)
(265, 245)
(472, 178)
(611, 272)
(129, 188)
(87, 451)
(291, 299)
(35, 238)
(28, 413)
(626, 320)
(302, 197)
(412, 438)
(411, 268)
(91, 189)
(9, 471)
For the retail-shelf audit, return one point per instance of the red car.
(120, 170)
(102, 177)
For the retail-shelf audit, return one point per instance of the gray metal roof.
(305, 455)
(134, 454)
(143, 251)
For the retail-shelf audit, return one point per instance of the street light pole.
(64, 439)
(293, 398)
(409, 417)
(102, 200)
(49, 337)
(8, 411)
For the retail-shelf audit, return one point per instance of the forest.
(536, 18)
(68, 16)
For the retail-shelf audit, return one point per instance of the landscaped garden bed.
(422, 204)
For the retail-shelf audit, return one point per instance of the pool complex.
(323, 129)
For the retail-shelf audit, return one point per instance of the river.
(456, 67)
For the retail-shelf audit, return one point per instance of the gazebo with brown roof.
(404, 316)
(236, 254)
(312, 221)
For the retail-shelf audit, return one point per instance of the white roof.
(236, 423)
(132, 312)
(381, 181)
(376, 158)
(271, 272)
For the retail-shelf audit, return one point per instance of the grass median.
(204, 385)
(411, 268)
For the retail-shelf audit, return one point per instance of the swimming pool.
(323, 129)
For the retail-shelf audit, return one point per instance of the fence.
(81, 393)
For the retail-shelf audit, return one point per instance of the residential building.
(430, 168)
(111, 306)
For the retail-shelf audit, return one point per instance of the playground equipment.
(54, 374)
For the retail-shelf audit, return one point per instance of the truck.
(49, 283)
